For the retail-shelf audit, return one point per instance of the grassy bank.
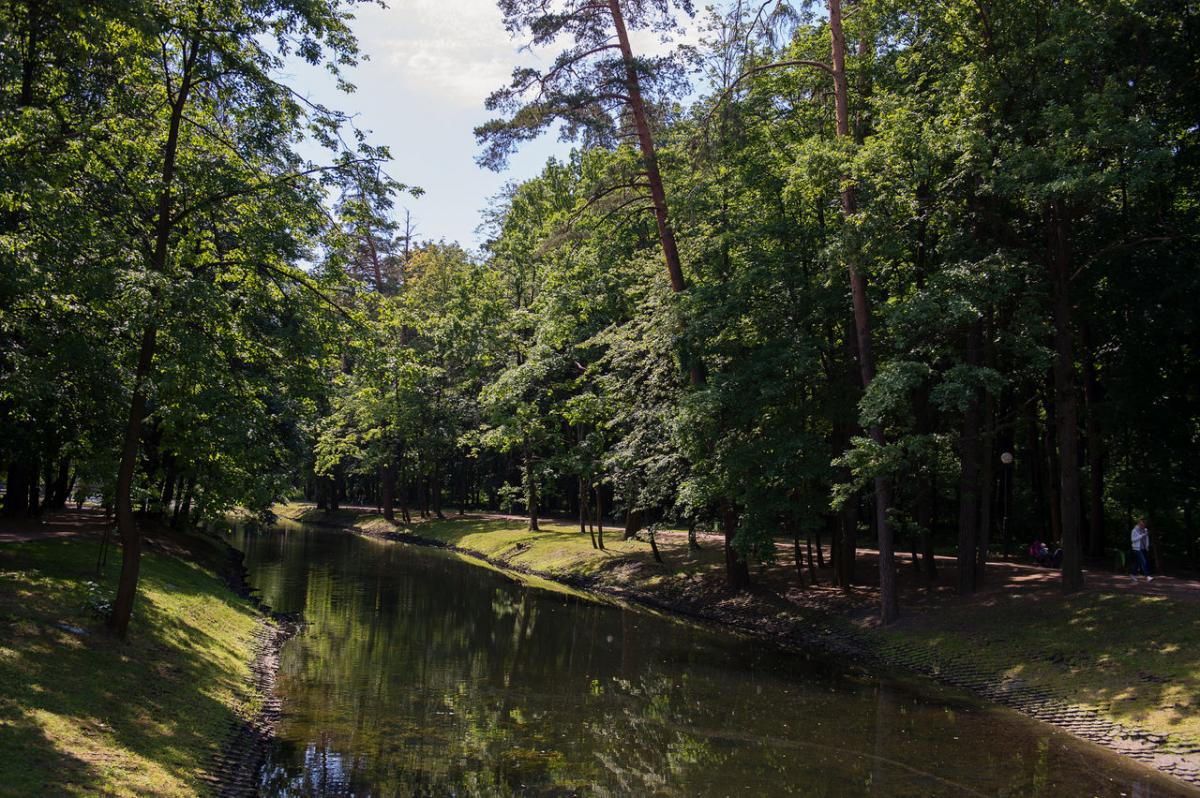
(84, 714)
(558, 550)
(1132, 658)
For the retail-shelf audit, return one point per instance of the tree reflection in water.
(419, 674)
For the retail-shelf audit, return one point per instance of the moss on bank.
(84, 714)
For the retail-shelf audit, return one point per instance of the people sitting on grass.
(1040, 553)
(1140, 537)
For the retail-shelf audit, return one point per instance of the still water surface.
(421, 674)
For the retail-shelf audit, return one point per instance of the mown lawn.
(84, 714)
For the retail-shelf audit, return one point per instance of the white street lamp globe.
(1006, 458)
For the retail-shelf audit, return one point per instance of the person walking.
(1140, 538)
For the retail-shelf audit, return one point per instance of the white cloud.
(456, 51)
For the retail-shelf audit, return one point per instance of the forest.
(912, 276)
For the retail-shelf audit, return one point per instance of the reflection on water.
(422, 675)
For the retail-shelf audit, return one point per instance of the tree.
(178, 133)
(586, 87)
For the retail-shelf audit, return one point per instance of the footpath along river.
(421, 674)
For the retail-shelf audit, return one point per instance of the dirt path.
(1007, 577)
(88, 522)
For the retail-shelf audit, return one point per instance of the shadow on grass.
(33, 765)
(1135, 657)
(164, 699)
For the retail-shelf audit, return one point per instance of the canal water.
(421, 674)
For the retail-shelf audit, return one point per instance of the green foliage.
(153, 189)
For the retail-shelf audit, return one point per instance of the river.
(421, 674)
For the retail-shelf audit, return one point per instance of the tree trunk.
(581, 503)
(654, 546)
(812, 566)
(183, 505)
(423, 496)
(637, 107)
(335, 490)
(1052, 483)
(633, 523)
(70, 490)
(16, 496)
(56, 488)
(924, 518)
(1066, 419)
(30, 56)
(737, 572)
(405, 490)
(584, 526)
(889, 603)
(599, 519)
(435, 490)
(987, 482)
(388, 479)
(168, 489)
(34, 505)
(131, 543)
(1189, 526)
(531, 498)
(1095, 445)
(848, 519)
(968, 480)
(798, 555)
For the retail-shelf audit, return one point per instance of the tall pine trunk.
(599, 519)
(658, 195)
(889, 602)
(987, 489)
(1066, 416)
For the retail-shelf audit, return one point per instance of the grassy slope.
(1134, 658)
(557, 549)
(84, 714)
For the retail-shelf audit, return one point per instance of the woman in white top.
(1140, 537)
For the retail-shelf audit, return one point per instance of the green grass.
(85, 714)
(1135, 659)
(558, 550)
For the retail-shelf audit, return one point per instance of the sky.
(431, 65)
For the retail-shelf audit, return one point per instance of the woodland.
(914, 276)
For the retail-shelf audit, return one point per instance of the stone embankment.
(236, 769)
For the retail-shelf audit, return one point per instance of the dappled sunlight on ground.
(82, 713)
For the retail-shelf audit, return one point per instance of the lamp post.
(1006, 460)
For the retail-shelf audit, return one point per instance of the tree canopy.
(902, 238)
